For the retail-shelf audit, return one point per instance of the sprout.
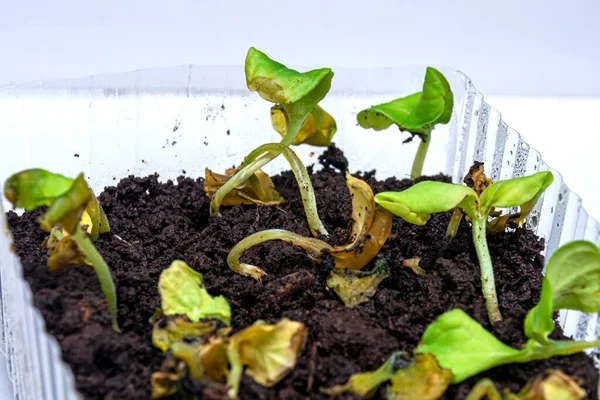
(258, 189)
(298, 95)
(416, 204)
(418, 379)
(370, 228)
(572, 281)
(356, 287)
(269, 352)
(417, 113)
(68, 202)
(556, 385)
(182, 291)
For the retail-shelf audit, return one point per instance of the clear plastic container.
(191, 117)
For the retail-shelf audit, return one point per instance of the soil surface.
(154, 223)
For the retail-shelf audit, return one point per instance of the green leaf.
(33, 188)
(182, 291)
(572, 281)
(365, 383)
(417, 112)
(417, 203)
(463, 346)
(523, 192)
(278, 84)
(356, 287)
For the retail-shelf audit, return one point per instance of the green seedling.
(416, 204)
(417, 113)
(572, 281)
(370, 228)
(297, 95)
(70, 203)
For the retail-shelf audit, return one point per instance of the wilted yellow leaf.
(173, 328)
(423, 379)
(318, 130)
(356, 287)
(259, 189)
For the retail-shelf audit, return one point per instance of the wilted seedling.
(182, 292)
(554, 386)
(417, 113)
(68, 201)
(370, 228)
(298, 95)
(572, 281)
(258, 189)
(418, 379)
(416, 204)
(171, 329)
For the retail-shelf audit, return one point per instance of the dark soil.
(154, 223)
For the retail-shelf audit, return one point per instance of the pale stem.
(488, 284)
(417, 167)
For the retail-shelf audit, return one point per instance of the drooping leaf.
(182, 291)
(318, 130)
(572, 281)
(269, 352)
(63, 253)
(98, 223)
(417, 112)
(206, 360)
(366, 383)
(258, 189)
(460, 344)
(33, 188)
(423, 379)
(174, 328)
(356, 287)
(276, 83)
(416, 204)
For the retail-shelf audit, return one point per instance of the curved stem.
(417, 167)
(269, 151)
(312, 246)
(106, 282)
(488, 286)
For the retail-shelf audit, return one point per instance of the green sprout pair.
(72, 206)
(416, 204)
(417, 114)
(296, 116)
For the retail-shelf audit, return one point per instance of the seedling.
(190, 330)
(416, 204)
(572, 281)
(68, 202)
(298, 95)
(417, 114)
(370, 228)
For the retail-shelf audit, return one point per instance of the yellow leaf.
(423, 379)
(269, 352)
(318, 130)
(259, 189)
(174, 328)
(356, 287)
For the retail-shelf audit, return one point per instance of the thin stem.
(235, 374)
(106, 283)
(417, 167)
(457, 216)
(312, 246)
(306, 189)
(488, 285)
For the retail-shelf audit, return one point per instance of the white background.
(536, 61)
